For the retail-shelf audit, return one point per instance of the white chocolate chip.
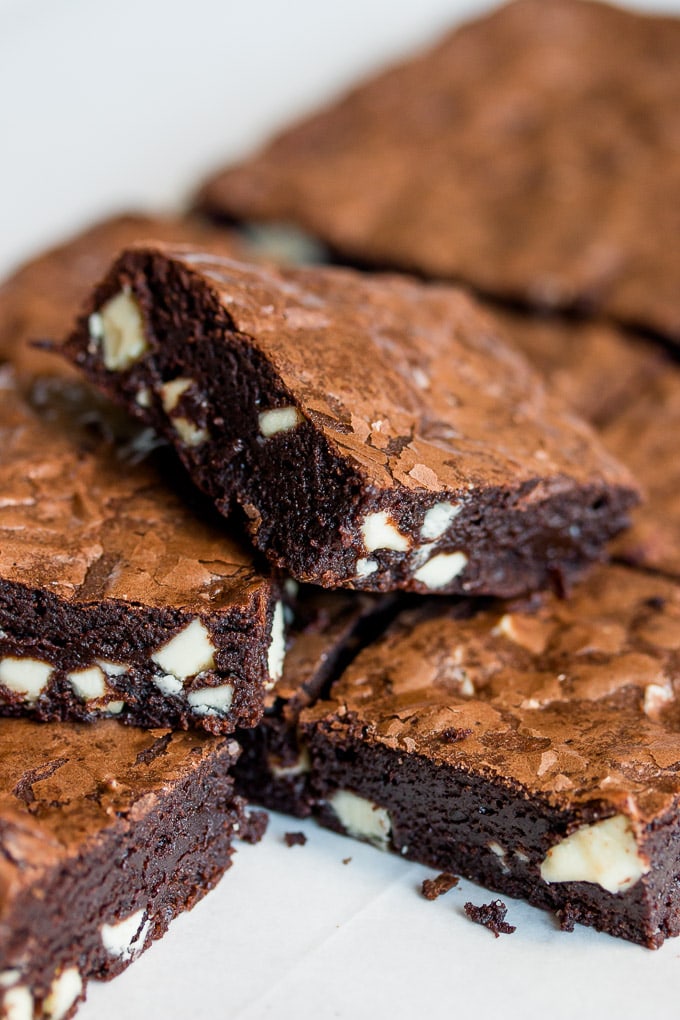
(277, 645)
(64, 991)
(211, 700)
(437, 519)
(498, 850)
(441, 569)
(9, 977)
(188, 432)
(143, 398)
(17, 1004)
(125, 938)
(657, 696)
(88, 683)
(366, 567)
(168, 684)
(362, 818)
(604, 853)
(521, 856)
(188, 653)
(380, 532)
(114, 707)
(172, 391)
(279, 419)
(25, 676)
(119, 328)
(298, 768)
(112, 668)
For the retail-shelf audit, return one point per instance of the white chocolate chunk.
(64, 991)
(17, 1004)
(112, 668)
(379, 532)
(88, 683)
(25, 676)
(279, 419)
(657, 696)
(9, 977)
(168, 684)
(496, 849)
(366, 567)
(212, 700)
(604, 853)
(189, 433)
(114, 707)
(119, 327)
(362, 818)
(298, 768)
(188, 653)
(143, 398)
(125, 938)
(277, 645)
(441, 569)
(172, 391)
(437, 519)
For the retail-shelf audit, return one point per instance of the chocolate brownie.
(327, 629)
(40, 300)
(116, 596)
(532, 153)
(106, 835)
(562, 786)
(377, 433)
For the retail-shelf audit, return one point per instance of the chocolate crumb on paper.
(491, 916)
(434, 887)
(295, 838)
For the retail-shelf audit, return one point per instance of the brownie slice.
(326, 632)
(106, 835)
(39, 301)
(532, 153)
(376, 433)
(116, 596)
(534, 748)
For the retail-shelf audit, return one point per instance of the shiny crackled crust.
(115, 596)
(377, 433)
(510, 732)
(106, 835)
(524, 154)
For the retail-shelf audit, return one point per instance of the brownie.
(40, 300)
(326, 630)
(117, 597)
(106, 835)
(562, 784)
(532, 153)
(412, 450)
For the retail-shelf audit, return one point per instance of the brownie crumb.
(566, 917)
(491, 916)
(346, 860)
(255, 826)
(453, 735)
(295, 838)
(434, 887)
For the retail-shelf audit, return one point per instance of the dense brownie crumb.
(491, 916)
(254, 826)
(434, 887)
(295, 839)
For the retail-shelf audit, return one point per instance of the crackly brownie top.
(84, 522)
(572, 700)
(533, 152)
(63, 784)
(41, 299)
(413, 382)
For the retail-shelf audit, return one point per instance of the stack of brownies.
(327, 539)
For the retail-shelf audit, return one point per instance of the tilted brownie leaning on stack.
(377, 433)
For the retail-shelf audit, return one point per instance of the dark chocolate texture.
(532, 153)
(376, 433)
(565, 788)
(106, 834)
(116, 597)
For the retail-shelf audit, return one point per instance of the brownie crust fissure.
(116, 598)
(106, 835)
(533, 749)
(325, 404)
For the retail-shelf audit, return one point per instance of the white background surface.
(104, 106)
